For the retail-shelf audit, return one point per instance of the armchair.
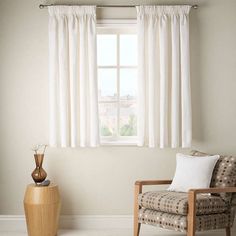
(192, 211)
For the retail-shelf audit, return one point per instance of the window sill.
(119, 143)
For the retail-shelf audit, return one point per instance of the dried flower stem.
(45, 146)
(39, 147)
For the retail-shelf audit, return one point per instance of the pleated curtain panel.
(73, 77)
(164, 96)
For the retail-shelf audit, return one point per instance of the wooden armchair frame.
(192, 195)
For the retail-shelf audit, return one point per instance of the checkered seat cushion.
(179, 222)
(177, 203)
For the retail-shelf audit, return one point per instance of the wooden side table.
(42, 207)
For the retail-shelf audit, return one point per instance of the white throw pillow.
(192, 172)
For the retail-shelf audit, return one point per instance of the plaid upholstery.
(177, 203)
(224, 174)
(179, 222)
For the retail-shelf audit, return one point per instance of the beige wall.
(100, 181)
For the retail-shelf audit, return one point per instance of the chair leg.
(191, 232)
(191, 214)
(136, 229)
(137, 225)
(228, 231)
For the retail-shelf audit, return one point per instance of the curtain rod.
(43, 6)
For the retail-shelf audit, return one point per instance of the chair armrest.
(152, 182)
(192, 196)
(214, 190)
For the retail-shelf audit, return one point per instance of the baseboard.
(96, 222)
(12, 223)
(18, 223)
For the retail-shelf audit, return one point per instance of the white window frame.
(117, 26)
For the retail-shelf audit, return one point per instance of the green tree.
(129, 129)
(105, 131)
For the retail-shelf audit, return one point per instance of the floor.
(114, 233)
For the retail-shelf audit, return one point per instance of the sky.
(107, 56)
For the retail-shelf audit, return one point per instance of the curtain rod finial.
(195, 6)
(41, 6)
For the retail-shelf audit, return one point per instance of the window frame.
(117, 27)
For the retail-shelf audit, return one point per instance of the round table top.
(51, 185)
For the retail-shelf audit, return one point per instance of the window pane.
(128, 118)
(128, 84)
(108, 119)
(128, 50)
(107, 84)
(106, 50)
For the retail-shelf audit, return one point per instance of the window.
(117, 84)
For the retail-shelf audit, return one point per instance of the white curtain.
(73, 76)
(164, 97)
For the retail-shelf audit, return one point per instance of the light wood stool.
(42, 207)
